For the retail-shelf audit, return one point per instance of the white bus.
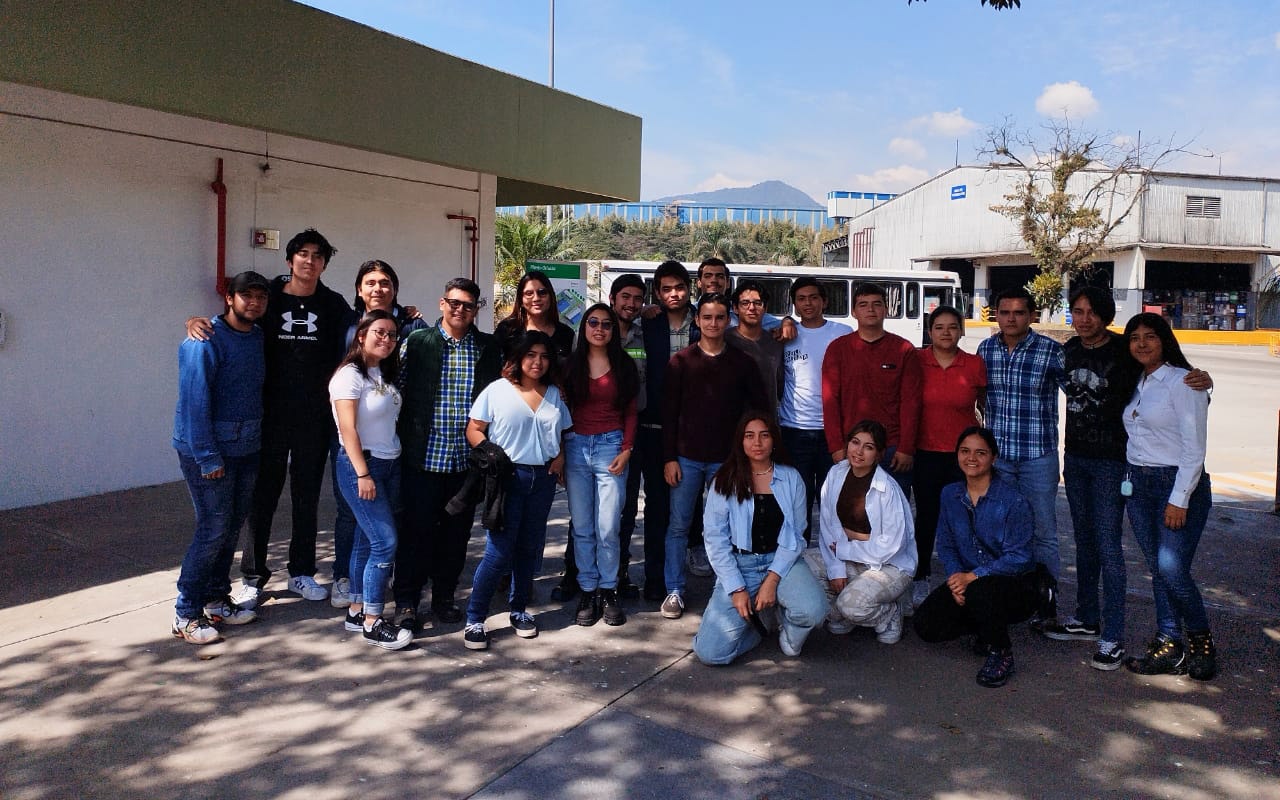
(910, 294)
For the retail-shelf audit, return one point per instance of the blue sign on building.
(957, 192)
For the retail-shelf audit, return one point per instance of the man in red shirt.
(873, 374)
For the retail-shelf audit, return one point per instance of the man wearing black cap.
(217, 433)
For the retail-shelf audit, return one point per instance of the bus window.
(892, 300)
(935, 296)
(777, 295)
(913, 300)
(837, 298)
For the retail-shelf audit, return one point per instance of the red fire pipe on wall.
(473, 228)
(220, 189)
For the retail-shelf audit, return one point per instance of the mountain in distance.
(768, 193)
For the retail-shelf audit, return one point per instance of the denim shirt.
(727, 522)
(993, 538)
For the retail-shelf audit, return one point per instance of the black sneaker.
(524, 625)
(387, 636)
(1164, 656)
(1202, 656)
(588, 609)
(447, 613)
(611, 609)
(355, 620)
(475, 637)
(997, 669)
(1072, 629)
(1109, 656)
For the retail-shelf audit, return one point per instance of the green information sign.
(570, 281)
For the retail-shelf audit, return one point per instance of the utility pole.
(551, 71)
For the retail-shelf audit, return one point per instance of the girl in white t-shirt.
(366, 404)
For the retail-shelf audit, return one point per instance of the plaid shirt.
(1022, 394)
(446, 446)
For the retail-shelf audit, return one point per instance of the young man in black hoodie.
(304, 330)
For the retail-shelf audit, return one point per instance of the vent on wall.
(1199, 206)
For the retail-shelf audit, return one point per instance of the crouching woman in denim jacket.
(984, 542)
(754, 531)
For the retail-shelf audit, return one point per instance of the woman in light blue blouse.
(754, 531)
(523, 413)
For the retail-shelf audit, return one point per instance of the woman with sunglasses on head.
(522, 413)
(1170, 496)
(366, 405)
(536, 310)
(600, 388)
(754, 531)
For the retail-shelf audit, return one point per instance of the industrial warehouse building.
(117, 118)
(1195, 247)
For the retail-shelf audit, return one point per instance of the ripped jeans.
(374, 549)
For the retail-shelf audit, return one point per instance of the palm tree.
(519, 240)
(717, 239)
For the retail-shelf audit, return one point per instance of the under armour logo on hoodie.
(290, 322)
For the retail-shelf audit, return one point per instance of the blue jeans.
(724, 635)
(695, 476)
(1037, 480)
(1168, 552)
(373, 550)
(221, 505)
(1097, 517)
(596, 498)
(809, 455)
(344, 522)
(517, 548)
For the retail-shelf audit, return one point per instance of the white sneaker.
(196, 631)
(785, 644)
(340, 593)
(246, 596)
(698, 563)
(229, 612)
(306, 586)
(919, 591)
(890, 631)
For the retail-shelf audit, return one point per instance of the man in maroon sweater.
(708, 387)
(873, 374)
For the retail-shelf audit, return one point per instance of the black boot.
(1202, 656)
(1164, 656)
(588, 609)
(611, 608)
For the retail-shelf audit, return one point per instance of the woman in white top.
(867, 538)
(522, 413)
(1170, 496)
(366, 405)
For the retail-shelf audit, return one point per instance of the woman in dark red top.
(955, 396)
(601, 390)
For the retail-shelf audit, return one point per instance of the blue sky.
(874, 94)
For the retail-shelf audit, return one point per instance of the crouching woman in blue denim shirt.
(984, 543)
(754, 531)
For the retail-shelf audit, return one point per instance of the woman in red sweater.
(600, 388)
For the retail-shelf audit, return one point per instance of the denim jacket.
(219, 409)
(993, 538)
(727, 522)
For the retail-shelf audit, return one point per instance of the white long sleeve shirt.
(893, 537)
(1167, 422)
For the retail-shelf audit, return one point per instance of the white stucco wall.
(107, 244)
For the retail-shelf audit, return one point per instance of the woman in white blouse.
(868, 541)
(1169, 496)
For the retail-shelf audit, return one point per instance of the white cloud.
(1122, 140)
(722, 181)
(1070, 99)
(889, 179)
(909, 149)
(946, 123)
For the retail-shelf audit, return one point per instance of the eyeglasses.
(751, 303)
(602, 324)
(465, 305)
(543, 292)
(382, 335)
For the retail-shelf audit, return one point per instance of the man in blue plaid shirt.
(1024, 373)
(442, 369)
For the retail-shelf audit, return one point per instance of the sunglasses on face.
(465, 305)
(602, 324)
(543, 292)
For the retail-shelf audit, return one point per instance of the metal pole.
(551, 71)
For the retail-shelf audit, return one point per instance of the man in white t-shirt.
(800, 410)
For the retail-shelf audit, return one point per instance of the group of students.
(734, 422)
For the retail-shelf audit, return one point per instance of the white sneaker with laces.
(306, 586)
(785, 644)
(246, 596)
(890, 631)
(340, 593)
(229, 612)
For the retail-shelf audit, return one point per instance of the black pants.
(657, 507)
(432, 543)
(630, 508)
(933, 470)
(991, 605)
(810, 456)
(299, 448)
